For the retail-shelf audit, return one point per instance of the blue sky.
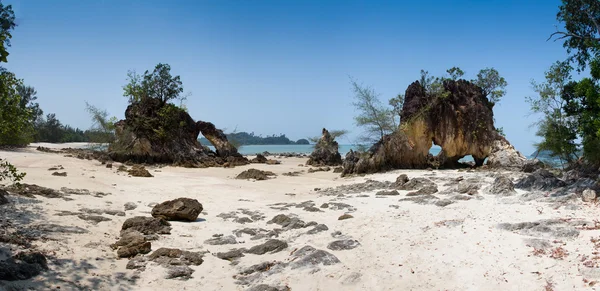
(279, 66)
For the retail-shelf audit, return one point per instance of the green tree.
(16, 128)
(7, 24)
(103, 127)
(434, 86)
(557, 130)
(376, 119)
(581, 19)
(397, 103)
(493, 85)
(455, 73)
(158, 84)
(10, 172)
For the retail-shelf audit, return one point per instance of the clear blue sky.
(279, 66)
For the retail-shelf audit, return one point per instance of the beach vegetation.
(571, 108)
(158, 84)
(376, 119)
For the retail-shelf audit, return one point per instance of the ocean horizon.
(300, 149)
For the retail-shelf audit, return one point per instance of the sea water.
(301, 149)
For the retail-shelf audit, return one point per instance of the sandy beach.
(398, 243)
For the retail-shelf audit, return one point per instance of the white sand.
(403, 248)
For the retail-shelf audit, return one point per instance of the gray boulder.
(181, 209)
(147, 225)
(502, 186)
(345, 244)
(588, 195)
(541, 180)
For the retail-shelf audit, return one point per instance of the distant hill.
(244, 138)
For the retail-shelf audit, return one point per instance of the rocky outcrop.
(502, 186)
(155, 132)
(180, 209)
(22, 266)
(531, 166)
(541, 180)
(504, 155)
(222, 146)
(325, 152)
(459, 120)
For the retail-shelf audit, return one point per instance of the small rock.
(231, 255)
(255, 174)
(502, 186)
(265, 287)
(223, 240)
(345, 216)
(60, 174)
(346, 244)
(312, 209)
(588, 195)
(109, 165)
(272, 246)
(443, 202)
(3, 199)
(131, 243)
(318, 228)
(401, 180)
(425, 190)
(184, 272)
(147, 225)
(139, 171)
(387, 193)
(243, 220)
(309, 256)
(130, 206)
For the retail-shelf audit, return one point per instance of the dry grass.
(549, 286)
(558, 253)
(539, 252)
(448, 222)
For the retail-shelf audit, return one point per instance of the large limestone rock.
(154, 132)
(325, 152)
(461, 122)
(181, 209)
(504, 155)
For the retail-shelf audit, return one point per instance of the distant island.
(244, 138)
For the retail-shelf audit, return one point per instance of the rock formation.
(154, 132)
(219, 140)
(460, 121)
(504, 155)
(325, 152)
